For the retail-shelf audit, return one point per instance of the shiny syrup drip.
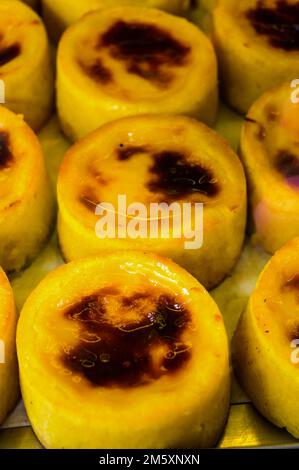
(145, 49)
(279, 23)
(122, 356)
(175, 177)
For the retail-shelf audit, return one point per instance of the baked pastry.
(61, 14)
(134, 339)
(269, 150)
(265, 346)
(9, 384)
(25, 66)
(257, 42)
(151, 160)
(26, 200)
(129, 61)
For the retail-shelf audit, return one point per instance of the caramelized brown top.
(292, 286)
(126, 152)
(260, 129)
(288, 166)
(89, 199)
(279, 23)
(145, 49)
(5, 153)
(171, 177)
(175, 177)
(127, 353)
(98, 72)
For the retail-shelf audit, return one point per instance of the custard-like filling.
(171, 177)
(145, 50)
(127, 340)
(280, 24)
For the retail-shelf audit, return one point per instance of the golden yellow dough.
(257, 46)
(59, 14)
(25, 66)
(26, 200)
(129, 61)
(125, 350)
(155, 159)
(269, 150)
(8, 358)
(266, 343)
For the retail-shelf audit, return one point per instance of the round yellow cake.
(127, 61)
(129, 351)
(269, 150)
(266, 344)
(9, 383)
(25, 66)
(257, 45)
(61, 14)
(154, 160)
(26, 200)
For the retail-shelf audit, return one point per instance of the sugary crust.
(186, 146)
(101, 79)
(166, 422)
(269, 151)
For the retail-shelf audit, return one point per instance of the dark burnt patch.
(261, 131)
(288, 166)
(89, 200)
(271, 113)
(292, 286)
(292, 283)
(100, 178)
(293, 329)
(146, 49)
(98, 72)
(125, 152)
(249, 119)
(280, 24)
(6, 157)
(111, 355)
(98, 175)
(7, 54)
(175, 177)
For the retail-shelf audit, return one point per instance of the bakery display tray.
(245, 426)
